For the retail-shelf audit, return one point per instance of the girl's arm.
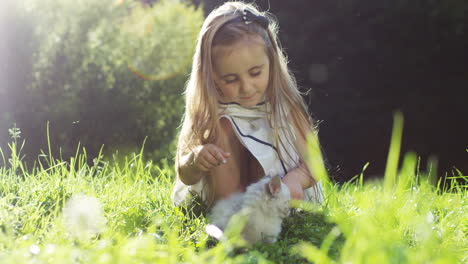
(197, 163)
(297, 180)
(188, 172)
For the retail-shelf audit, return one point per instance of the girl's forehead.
(244, 53)
(247, 40)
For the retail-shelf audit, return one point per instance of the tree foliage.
(102, 72)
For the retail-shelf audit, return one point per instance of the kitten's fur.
(265, 202)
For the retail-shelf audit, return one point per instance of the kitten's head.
(279, 195)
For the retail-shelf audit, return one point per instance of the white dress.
(254, 132)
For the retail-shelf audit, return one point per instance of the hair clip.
(249, 17)
(244, 17)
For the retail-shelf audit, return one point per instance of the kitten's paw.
(214, 231)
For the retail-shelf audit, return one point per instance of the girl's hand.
(295, 189)
(297, 180)
(208, 156)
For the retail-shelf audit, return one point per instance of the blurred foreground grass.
(122, 213)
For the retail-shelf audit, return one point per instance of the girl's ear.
(274, 186)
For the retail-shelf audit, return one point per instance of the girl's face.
(242, 71)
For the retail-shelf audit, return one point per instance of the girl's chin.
(252, 102)
(249, 102)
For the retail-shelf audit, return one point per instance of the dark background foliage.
(361, 59)
(98, 72)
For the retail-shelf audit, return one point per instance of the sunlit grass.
(403, 218)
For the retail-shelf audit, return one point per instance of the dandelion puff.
(83, 216)
(34, 249)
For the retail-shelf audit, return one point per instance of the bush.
(102, 73)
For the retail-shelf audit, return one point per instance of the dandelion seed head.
(34, 249)
(83, 216)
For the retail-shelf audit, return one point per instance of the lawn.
(114, 211)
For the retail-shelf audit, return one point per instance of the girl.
(244, 116)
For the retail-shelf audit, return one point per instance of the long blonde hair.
(200, 124)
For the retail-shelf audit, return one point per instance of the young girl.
(244, 116)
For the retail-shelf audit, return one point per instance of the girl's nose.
(246, 87)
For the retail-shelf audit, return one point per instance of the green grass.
(402, 219)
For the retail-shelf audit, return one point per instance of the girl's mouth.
(247, 98)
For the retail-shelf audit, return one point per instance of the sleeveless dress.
(254, 132)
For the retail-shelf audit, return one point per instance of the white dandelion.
(34, 249)
(83, 216)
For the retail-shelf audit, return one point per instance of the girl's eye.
(253, 74)
(256, 73)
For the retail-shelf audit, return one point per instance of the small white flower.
(15, 132)
(83, 216)
(34, 249)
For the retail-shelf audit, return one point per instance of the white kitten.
(265, 204)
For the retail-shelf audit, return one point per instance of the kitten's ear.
(274, 186)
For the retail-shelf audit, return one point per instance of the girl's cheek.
(229, 92)
(265, 80)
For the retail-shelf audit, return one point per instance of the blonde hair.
(200, 124)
